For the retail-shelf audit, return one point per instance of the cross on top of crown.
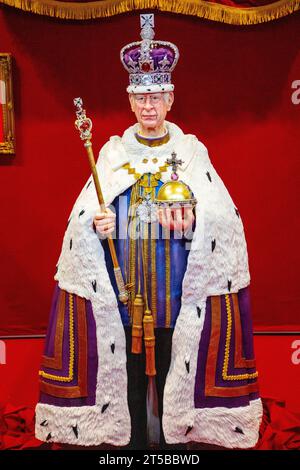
(147, 25)
(147, 20)
(175, 162)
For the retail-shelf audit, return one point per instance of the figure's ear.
(131, 101)
(170, 100)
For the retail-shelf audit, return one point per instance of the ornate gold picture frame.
(7, 127)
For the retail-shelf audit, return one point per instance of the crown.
(148, 62)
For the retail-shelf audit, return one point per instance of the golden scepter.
(84, 126)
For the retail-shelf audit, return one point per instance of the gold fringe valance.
(200, 8)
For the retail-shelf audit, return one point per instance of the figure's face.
(151, 108)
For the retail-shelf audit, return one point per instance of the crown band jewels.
(149, 79)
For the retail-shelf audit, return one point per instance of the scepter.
(84, 126)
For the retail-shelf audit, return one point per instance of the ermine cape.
(210, 393)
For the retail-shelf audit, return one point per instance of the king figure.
(173, 366)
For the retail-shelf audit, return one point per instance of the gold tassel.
(203, 9)
(148, 321)
(149, 339)
(137, 324)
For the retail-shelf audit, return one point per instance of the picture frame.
(7, 126)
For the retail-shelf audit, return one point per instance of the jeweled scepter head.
(82, 123)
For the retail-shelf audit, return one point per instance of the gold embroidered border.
(80, 390)
(70, 376)
(212, 357)
(227, 348)
(154, 142)
(239, 360)
(55, 362)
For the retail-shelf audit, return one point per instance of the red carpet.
(278, 364)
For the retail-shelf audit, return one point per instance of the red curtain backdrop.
(233, 90)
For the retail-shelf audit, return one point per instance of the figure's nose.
(148, 104)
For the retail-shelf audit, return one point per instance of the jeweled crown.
(149, 62)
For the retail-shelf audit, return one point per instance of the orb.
(175, 193)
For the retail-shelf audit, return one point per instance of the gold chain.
(132, 171)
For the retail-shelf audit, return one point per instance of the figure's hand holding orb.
(179, 219)
(175, 205)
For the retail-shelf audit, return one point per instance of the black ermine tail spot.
(239, 430)
(75, 430)
(188, 430)
(208, 175)
(104, 407)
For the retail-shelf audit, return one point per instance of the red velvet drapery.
(227, 11)
(233, 89)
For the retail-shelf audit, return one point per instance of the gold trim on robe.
(75, 391)
(212, 357)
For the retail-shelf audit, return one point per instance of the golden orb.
(174, 192)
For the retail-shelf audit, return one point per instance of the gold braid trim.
(132, 247)
(70, 377)
(153, 268)
(168, 283)
(200, 8)
(145, 258)
(225, 375)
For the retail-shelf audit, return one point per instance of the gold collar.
(152, 141)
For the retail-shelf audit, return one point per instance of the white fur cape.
(207, 274)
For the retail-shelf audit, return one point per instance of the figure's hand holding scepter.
(84, 126)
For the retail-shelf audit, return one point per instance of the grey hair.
(166, 96)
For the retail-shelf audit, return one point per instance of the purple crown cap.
(148, 62)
